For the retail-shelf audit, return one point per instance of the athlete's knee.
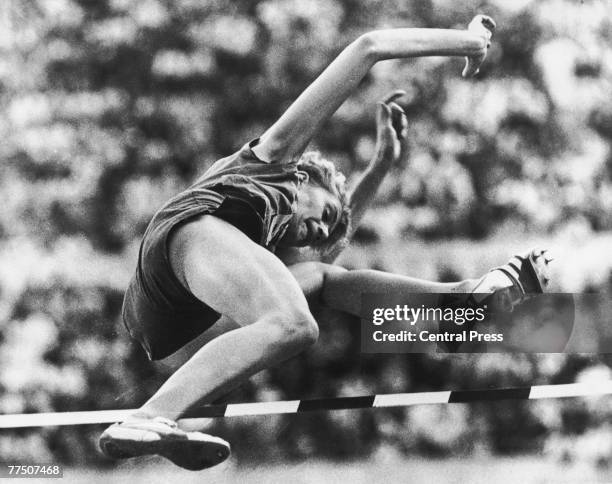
(331, 270)
(326, 269)
(293, 326)
(311, 277)
(331, 273)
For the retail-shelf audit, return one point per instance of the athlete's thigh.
(230, 273)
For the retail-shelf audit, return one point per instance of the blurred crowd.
(110, 107)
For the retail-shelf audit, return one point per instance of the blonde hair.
(324, 174)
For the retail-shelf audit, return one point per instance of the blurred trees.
(112, 106)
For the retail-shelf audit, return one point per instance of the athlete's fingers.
(487, 22)
(398, 93)
(396, 109)
(484, 26)
(387, 144)
(383, 115)
(472, 66)
(399, 120)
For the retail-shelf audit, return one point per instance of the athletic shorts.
(158, 311)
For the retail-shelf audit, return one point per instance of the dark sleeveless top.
(258, 198)
(269, 189)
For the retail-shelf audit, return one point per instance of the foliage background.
(111, 106)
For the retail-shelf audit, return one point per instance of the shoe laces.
(166, 421)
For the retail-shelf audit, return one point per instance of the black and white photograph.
(307, 241)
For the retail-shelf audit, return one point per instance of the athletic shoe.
(504, 287)
(161, 436)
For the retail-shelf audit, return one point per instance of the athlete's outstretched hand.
(391, 128)
(484, 26)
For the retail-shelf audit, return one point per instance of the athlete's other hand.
(483, 26)
(391, 127)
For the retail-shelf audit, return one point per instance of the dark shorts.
(158, 311)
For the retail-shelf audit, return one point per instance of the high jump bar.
(535, 392)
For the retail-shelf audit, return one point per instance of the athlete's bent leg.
(249, 285)
(237, 278)
(341, 289)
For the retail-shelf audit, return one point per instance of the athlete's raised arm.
(288, 137)
(391, 146)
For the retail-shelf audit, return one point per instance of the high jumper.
(226, 257)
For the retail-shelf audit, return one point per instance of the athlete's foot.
(506, 286)
(161, 436)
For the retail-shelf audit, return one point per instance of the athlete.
(226, 257)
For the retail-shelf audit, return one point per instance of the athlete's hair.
(324, 174)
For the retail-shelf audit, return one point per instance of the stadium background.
(109, 107)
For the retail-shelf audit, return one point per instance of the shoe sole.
(195, 451)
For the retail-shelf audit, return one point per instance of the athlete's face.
(318, 212)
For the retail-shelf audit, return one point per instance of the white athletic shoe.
(524, 276)
(190, 450)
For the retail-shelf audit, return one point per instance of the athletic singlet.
(270, 189)
(258, 198)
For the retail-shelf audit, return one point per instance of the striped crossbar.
(340, 403)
